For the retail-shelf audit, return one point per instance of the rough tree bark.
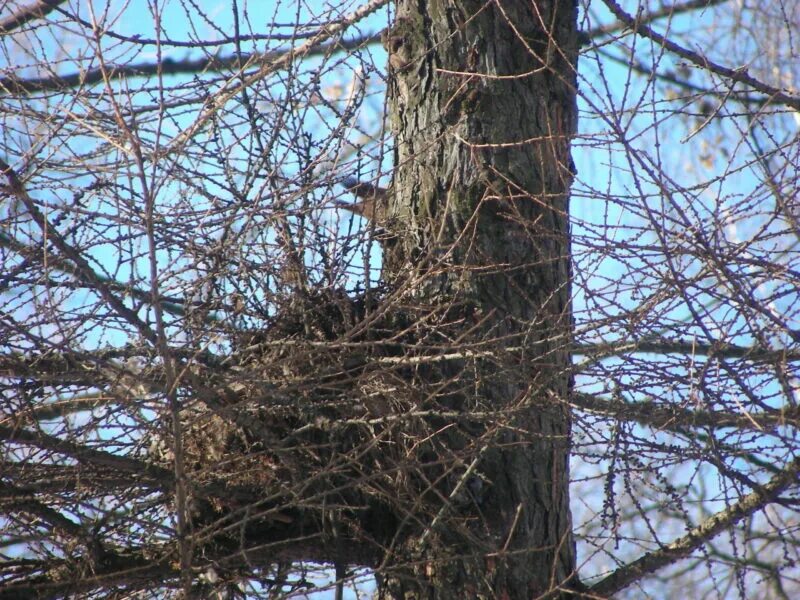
(466, 495)
(482, 102)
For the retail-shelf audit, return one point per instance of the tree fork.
(483, 106)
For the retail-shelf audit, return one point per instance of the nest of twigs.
(327, 411)
(337, 432)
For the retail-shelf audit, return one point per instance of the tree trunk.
(482, 102)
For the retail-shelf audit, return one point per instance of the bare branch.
(667, 10)
(684, 546)
(738, 75)
(11, 85)
(669, 417)
(24, 14)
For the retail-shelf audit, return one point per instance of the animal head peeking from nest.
(371, 201)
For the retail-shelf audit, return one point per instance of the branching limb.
(739, 75)
(684, 546)
(24, 14)
(676, 418)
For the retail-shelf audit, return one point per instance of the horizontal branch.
(234, 62)
(658, 415)
(14, 499)
(676, 418)
(168, 66)
(57, 578)
(140, 472)
(684, 546)
(596, 352)
(65, 368)
(141, 569)
(96, 369)
(663, 346)
(24, 14)
(145, 473)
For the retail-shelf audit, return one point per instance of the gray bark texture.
(483, 107)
